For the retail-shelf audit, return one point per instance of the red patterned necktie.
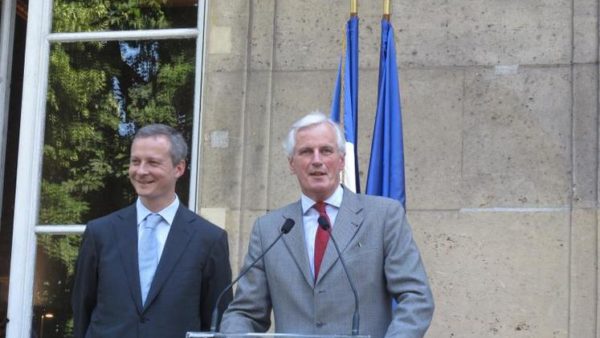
(321, 239)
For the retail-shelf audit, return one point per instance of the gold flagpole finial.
(386, 9)
(353, 7)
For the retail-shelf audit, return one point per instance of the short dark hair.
(179, 147)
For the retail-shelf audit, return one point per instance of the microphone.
(324, 224)
(285, 228)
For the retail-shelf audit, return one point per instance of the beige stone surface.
(585, 135)
(594, 297)
(583, 273)
(585, 31)
(433, 137)
(227, 24)
(516, 138)
(309, 42)
(487, 32)
(255, 139)
(261, 40)
(241, 227)
(496, 274)
(220, 166)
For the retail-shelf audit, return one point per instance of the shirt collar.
(334, 200)
(168, 213)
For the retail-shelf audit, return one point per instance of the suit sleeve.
(250, 310)
(406, 278)
(83, 299)
(216, 277)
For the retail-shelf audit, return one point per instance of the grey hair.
(179, 147)
(311, 119)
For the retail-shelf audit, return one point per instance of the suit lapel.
(179, 236)
(347, 223)
(126, 235)
(295, 241)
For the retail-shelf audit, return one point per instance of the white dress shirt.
(310, 216)
(162, 230)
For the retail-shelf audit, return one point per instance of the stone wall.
(500, 109)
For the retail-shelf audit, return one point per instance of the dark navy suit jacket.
(193, 269)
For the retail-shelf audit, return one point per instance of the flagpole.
(350, 121)
(386, 10)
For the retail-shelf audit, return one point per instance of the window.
(95, 71)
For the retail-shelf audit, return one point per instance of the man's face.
(317, 161)
(152, 172)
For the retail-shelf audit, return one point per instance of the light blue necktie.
(148, 253)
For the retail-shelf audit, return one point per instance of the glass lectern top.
(264, 335)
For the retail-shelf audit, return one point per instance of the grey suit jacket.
(383, 261)
(193, 270)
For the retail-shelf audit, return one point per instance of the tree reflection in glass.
(99, 93)
(52, 315)
(102, 15)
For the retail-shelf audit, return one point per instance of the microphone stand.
(285, 228)
(324, 224)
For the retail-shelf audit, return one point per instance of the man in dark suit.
(153, 269)
(312, 295)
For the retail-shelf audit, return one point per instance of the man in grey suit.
(153, 269)
(313, 296)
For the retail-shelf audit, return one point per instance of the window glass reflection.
(102, 15)
(55, 264)
(98, 94)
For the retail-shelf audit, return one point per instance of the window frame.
(7, 28)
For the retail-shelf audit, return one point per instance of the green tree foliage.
(99, 15)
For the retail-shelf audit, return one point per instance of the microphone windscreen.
(324, 223)
(287, 225)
